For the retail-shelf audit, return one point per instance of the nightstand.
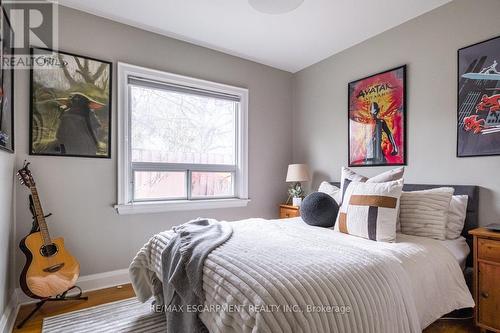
(287, 211)
(486, 279)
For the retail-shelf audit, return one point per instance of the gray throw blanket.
(182, 262)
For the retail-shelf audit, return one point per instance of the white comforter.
(279, 276)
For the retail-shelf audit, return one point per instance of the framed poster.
(377, 119)
(70, 111)
(478, 96)
(6, 86)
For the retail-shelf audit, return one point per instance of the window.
(182, 142)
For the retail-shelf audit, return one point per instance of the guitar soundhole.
(48, 250)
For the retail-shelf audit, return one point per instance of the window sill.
(171, 206)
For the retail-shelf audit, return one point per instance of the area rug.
(123, 316)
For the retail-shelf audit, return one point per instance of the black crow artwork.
(79, 126)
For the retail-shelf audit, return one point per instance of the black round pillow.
(319, 209)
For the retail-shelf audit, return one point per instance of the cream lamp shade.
(297, 173)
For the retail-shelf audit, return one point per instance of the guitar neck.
(40, 217)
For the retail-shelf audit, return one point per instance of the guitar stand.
(58, 298)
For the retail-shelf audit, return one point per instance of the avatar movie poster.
(377, 119)
(479, 99)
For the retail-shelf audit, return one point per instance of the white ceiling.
(314, 31)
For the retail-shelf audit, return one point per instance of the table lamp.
(296, 174)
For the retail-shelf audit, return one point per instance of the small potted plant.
(296, 192)
(296, 174)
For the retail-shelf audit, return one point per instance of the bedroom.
(294, 70)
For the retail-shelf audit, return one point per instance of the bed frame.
(472, 219)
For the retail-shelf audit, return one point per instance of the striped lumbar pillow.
(425, 213)
(370, 210)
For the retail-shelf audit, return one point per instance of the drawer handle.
(485, 294)
(287, 214)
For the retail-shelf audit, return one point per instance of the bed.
(472, 220)
(286, 276)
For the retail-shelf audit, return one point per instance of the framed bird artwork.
(70, 105)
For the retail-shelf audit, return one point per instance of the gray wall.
(80, 192)
(428, 44)
(7, 247)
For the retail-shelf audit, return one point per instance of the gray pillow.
(319, 209)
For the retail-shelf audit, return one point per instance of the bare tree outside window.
(173, 127)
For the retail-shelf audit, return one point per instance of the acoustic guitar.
(50, 269)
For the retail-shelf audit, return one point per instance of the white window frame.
(125, 204)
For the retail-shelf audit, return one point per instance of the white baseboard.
(88, 283)
(9, 315)
(103, 280)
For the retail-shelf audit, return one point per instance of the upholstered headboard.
(472, 220)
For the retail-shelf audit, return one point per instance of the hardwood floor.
(96, 297)
(452, 326)
(122, 292)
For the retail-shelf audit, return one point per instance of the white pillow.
(331, 190)
(425, 213)
(456, 216)
(370, 210)
(349, 176)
